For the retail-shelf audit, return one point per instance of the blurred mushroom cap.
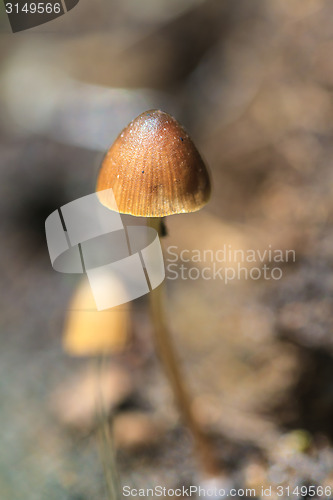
(154, 169)
(89, 331)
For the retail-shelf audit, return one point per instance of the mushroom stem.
(106, 442)
(156, 223)
(171, 365)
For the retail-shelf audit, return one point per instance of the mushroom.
(89, 332)
(155, 170)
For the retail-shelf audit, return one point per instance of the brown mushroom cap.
(154, 169)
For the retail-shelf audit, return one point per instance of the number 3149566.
(33, 8)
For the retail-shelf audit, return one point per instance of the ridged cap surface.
(154, 169)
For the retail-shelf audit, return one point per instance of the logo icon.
(28, 14)
(83, 236)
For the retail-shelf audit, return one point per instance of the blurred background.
(252, 83)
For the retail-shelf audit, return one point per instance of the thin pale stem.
(169, 360)
(106, 445)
